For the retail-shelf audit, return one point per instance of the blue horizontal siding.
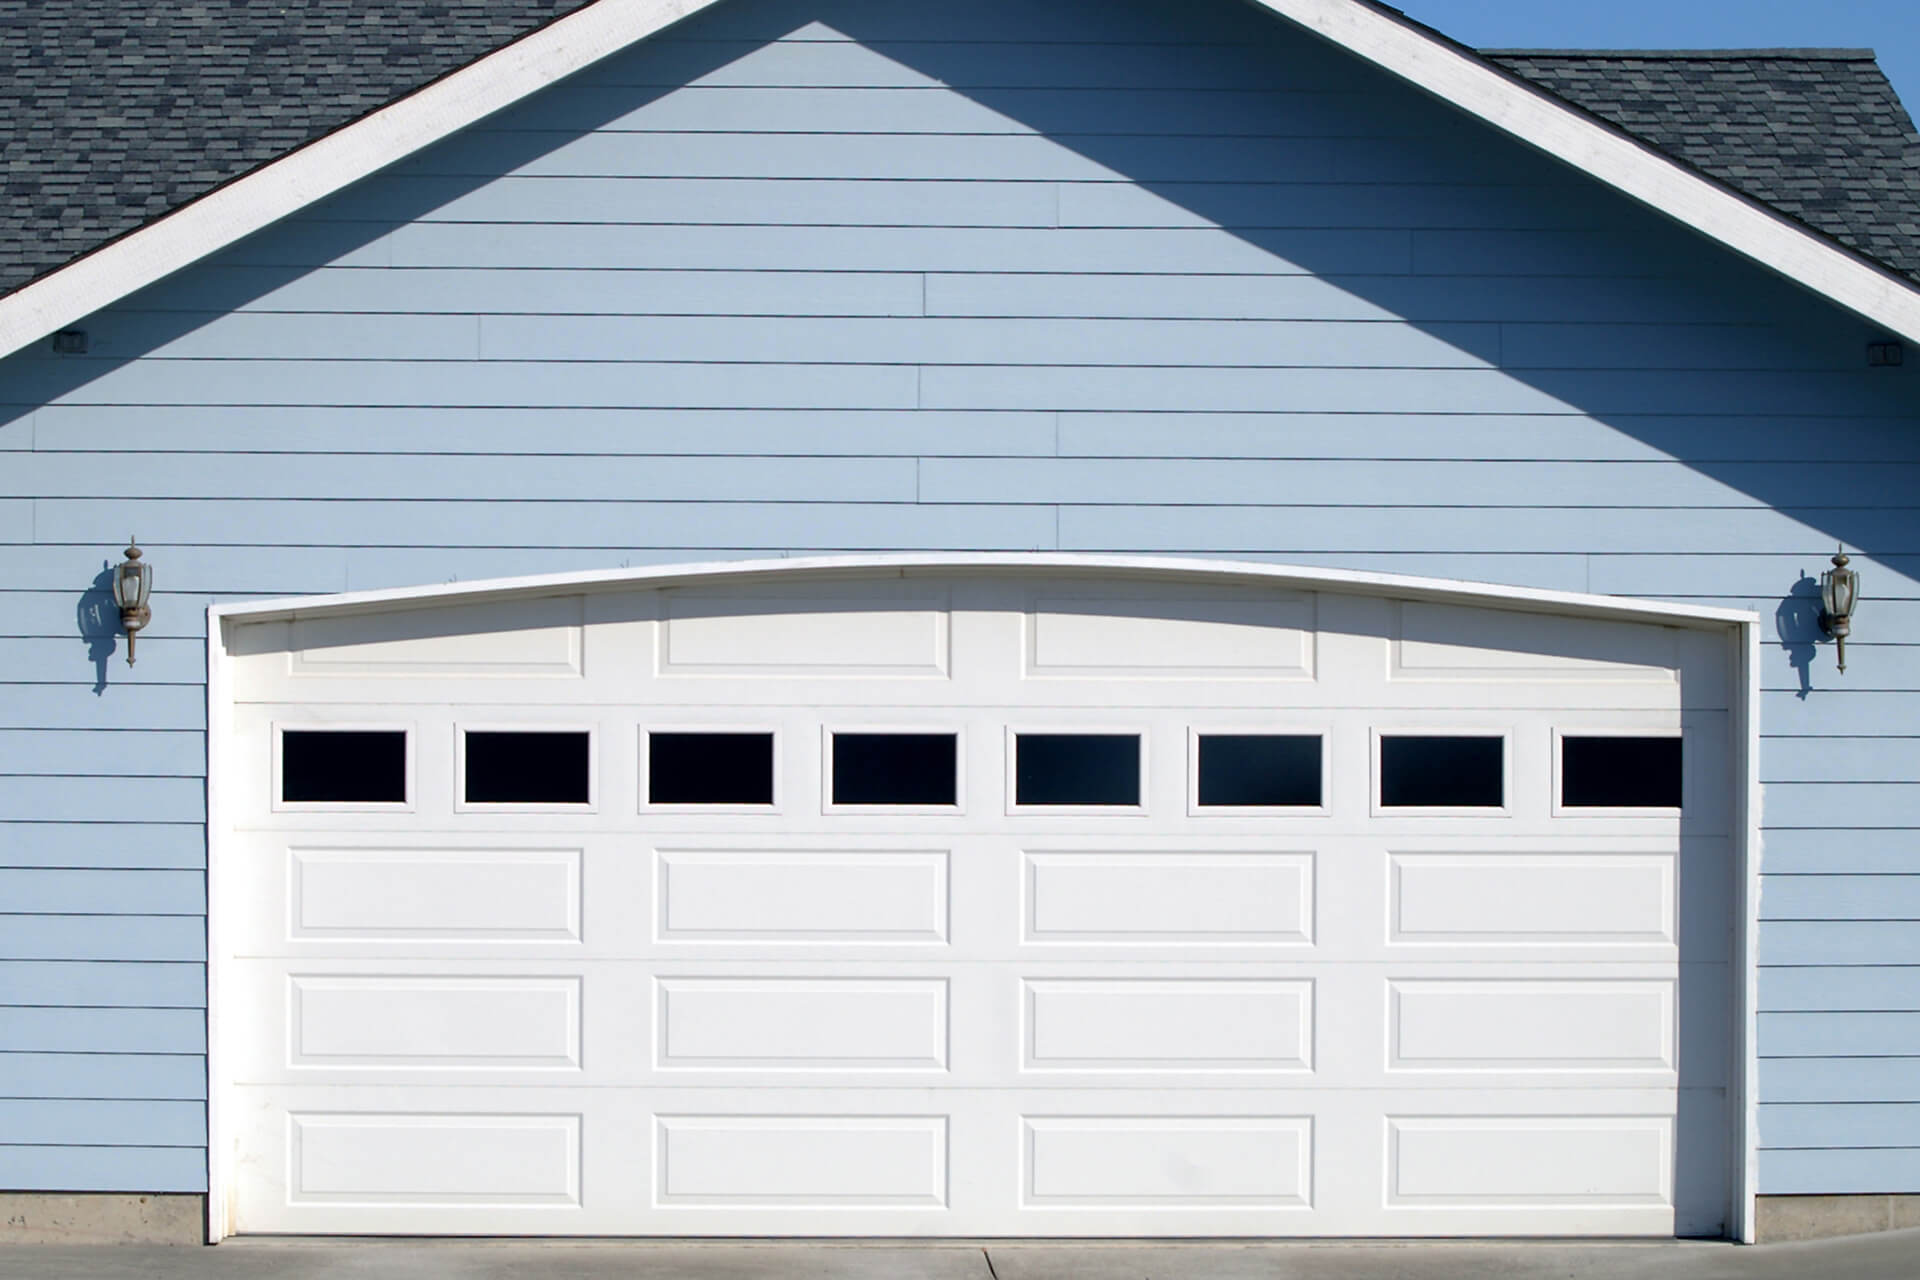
(1859, 1079)
(1835, 992)
(127, 801)
(1841, 1035)
(54, 752)
(1326, 296)
(1383, 482)
(132, 705)
(260, 290)
(61, 891)
(73, 985)
(1149, 250)
(483, 384)
(1795, 942)
(1233, 530)
(64, 1029)
(962, 481)
(1389, 389)
(1826, 851)
(103, 937)
(569, 430)
(1841, 897)
(491, 479)
(1796, 1126)
(158, 1170)
(76, 844)
(765, 525)
(100, 1122)
(150, 1076)
(1877, 760)
(1894, 1171)
(863, 157)
(1854, 804)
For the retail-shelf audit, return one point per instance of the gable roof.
(145, 168)
(1816, 133)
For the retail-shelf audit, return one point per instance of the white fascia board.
(1251, 572)
(326, 165)
(1537, 118)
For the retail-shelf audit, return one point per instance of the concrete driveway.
(1893, 1256)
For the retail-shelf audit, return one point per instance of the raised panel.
(478, 1160)
(1539, 899)
(1181, 1162)
(451, 1022)
(1148, 899)
(1474, 1162)
(821, 897)
(529, 638)
(1175, 1024)
(434, 895)
(1448, 642)
(803, 1024)
(875, 632)
(802, 1161)
(1164, 635)
(1531, 1025)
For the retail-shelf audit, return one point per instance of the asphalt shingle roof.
(1817, 133)
(114, 112)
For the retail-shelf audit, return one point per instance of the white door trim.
(1742, 628)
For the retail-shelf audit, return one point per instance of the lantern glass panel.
(132, 584)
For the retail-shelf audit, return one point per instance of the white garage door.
(959, 904)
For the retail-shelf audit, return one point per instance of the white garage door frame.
(1742, 629)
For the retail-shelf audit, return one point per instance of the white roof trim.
(300, 178)
(1745, 225)
(1278, 576)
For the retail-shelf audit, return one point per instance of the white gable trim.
(291, 183)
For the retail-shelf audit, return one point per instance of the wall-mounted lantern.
(1839, 593)
(132, 584)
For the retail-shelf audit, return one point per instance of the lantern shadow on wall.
(98, 619)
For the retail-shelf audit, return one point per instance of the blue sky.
(1891, 27)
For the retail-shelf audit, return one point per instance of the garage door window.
(1077, 769)
(1432, 771)
(521, 767)
(731, 769)
(1608, 772)
(1257, 771)
(351, 767)
(903, 769)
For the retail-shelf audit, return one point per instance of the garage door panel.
(1057, 1023)
(1243, 1162)
(637, 1016)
